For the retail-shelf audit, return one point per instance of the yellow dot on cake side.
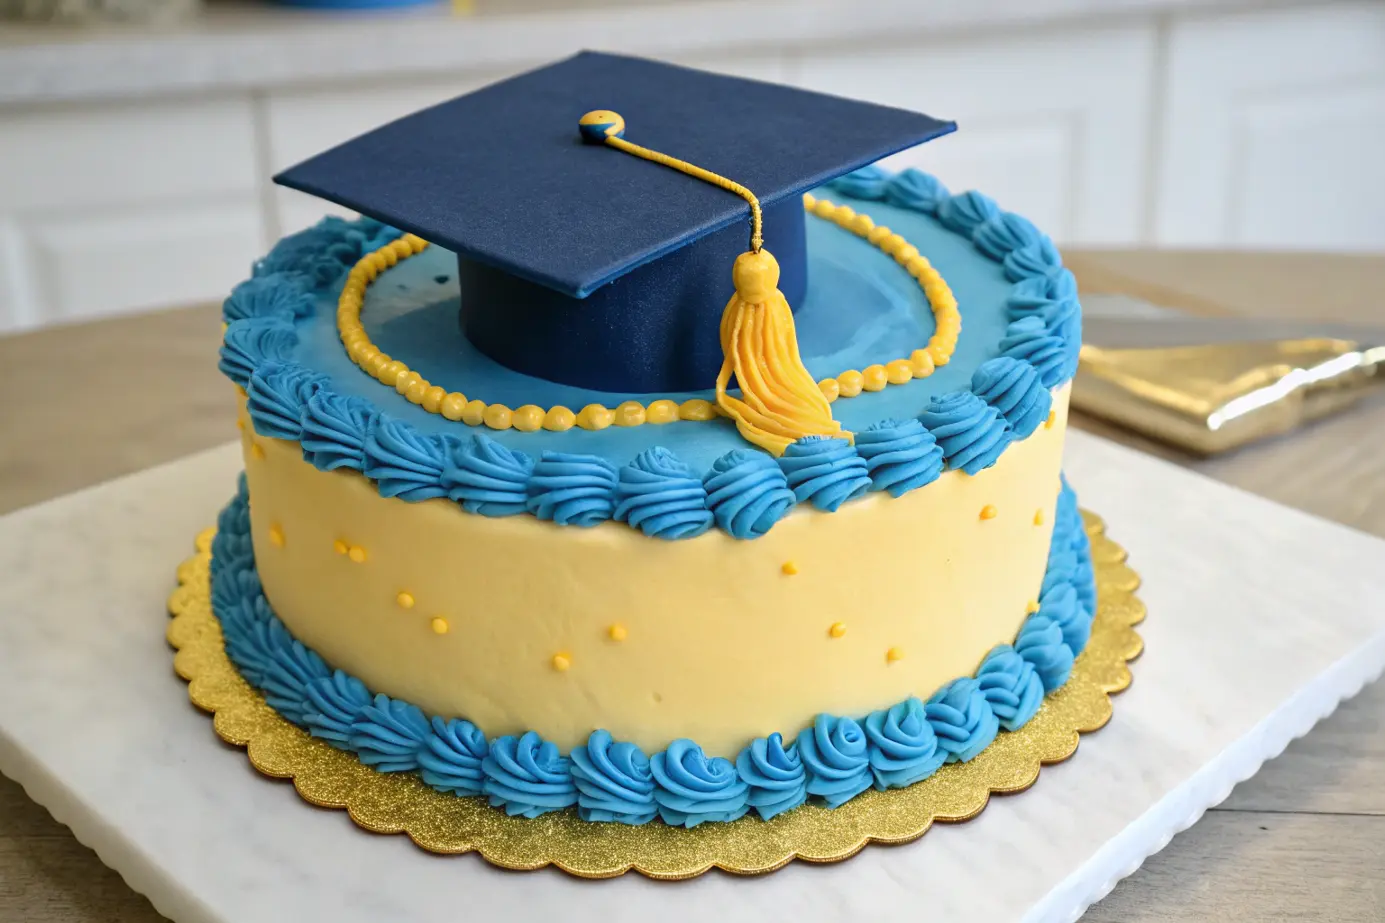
(357, 554)
(405, 600)
(894, 654)
(561, 662)
(1038, 517)
(988, 511)
(340, 547)
(1052, 415)
(439, 625)
(257, 451)
(617, 632)
(789, 568)
(276, 536)
(1032, 606)
(837, 630)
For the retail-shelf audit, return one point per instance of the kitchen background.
(135, 161)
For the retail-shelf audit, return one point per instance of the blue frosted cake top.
(1018, 306)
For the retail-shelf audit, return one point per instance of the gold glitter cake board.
(441, 823)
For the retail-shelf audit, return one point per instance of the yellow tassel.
(780, 402)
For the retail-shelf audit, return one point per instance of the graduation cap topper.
(591, 267)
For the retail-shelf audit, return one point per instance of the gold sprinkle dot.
(276, 536)
(594, 417)
(922, 363)
(452, 406)
(663, 411)
(257, 451)
(561, 662)
(529, 418)
(1052, 415)
(498, 416)
(474, 413)
(439, 626)
(850, 383)
(432, 399)
(340, 547)
(617, 632)
(357, 554)
(1032, 606)
(405, 600)
(988, 511)
(894, 654)
(789, 568)
(1038, 517)
(837, 630)
(629, 413)
(899, 371)
(697, 409)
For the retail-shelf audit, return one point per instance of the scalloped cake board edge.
(1261, 620)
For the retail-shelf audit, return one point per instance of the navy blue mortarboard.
(589, 267)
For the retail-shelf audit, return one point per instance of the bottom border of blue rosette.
(828, 763)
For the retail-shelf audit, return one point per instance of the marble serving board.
(1261, 619)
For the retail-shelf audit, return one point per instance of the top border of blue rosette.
(746, 491)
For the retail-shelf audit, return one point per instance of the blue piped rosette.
(745, 492)
(605, 780)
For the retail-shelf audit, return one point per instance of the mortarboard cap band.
(780, 402)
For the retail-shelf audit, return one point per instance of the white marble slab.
(1261, 620)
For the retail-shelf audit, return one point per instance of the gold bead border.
(529, 418)
(439, 823)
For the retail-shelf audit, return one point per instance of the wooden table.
(1302, 840)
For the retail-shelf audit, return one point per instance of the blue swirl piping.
(747, 493)
(900, 455)
(970, 432)
(572, 490)
(614, 781)
(660, 496)
(824, 471)
(1013, 388)
(694, 789)
(487, 478)
(526, 776)
(775, 776)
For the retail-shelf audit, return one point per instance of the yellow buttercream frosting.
(715, 644)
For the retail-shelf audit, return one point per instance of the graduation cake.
(646, 451)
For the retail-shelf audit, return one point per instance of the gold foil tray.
(401, 803)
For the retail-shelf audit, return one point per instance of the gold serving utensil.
(1209, 385)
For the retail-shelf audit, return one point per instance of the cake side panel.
(518, 624)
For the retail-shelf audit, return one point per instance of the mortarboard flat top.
(501, 176)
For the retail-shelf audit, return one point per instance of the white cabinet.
(1052, 124)
(111, 208)
(1274, 131)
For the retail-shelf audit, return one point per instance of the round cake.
(505, 557)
